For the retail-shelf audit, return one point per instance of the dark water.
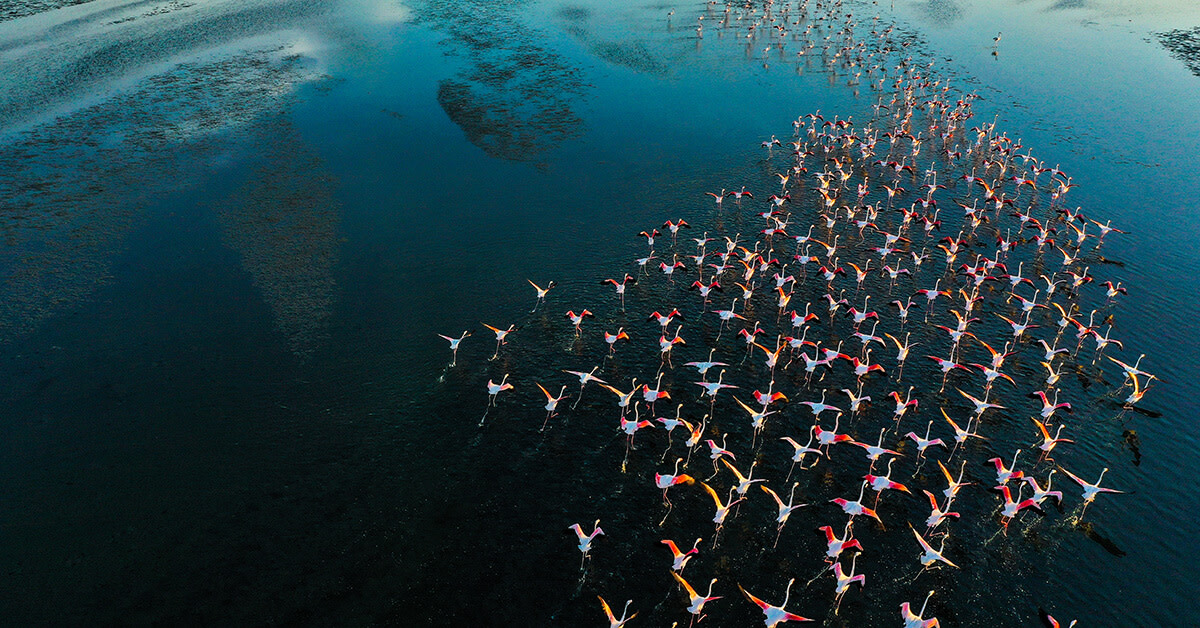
(232, 231)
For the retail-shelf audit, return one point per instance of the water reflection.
(514, 98)
(283, 223)
(78, 186)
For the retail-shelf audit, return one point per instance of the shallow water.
(232, 232)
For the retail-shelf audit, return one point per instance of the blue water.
(231, 233)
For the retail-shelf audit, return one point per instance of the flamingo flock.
(928, 209)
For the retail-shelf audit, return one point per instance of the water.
(232, 232)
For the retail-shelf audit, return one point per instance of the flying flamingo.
(845, 580)
(1090, 491)
(495, 389)
(551, 403)
(718, 451)
(712, 388)
(931, 556)
(925, 442)
(1010, 509)
(611, 341)
(936, 514)
(757, 418)
(541, 293)
(855, 508)
(953, 486)
(785, 510)
(584, 379)
(675, 478)
(744, 481)
(775, 615)
(828, 438)
(818, 407)
(1048, 443)
(680, 559)
(697, 602)
(916, 621)
(620, 286)
(585, 540)
(454, 342)
(1040, 494)
(722, 508)
(876, 450)
(703, 367)
(1004, 474)
(501, 337)
(623, 399)
(1048, 407)
(613, 622)
(800, 452)
(835, 546)
(881, 483)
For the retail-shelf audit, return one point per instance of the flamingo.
(620, 285)
(953, 486)
(584, 380)
(785, 510)
(744, 481)
(827, 438)
(931, 556)
(696, 601)
(703, 367)
(855, 508)
(937, 514)
(1010, 509)
(613, 622)
(577, 318)
(716, 452)
(856, 400)
(845, 580)
(757, 417)
(1048, 443)
(495, 389)
(917, 621)
(676, 478)
(818, 407)
(501, 337)
(980, 405)
(877, 450)
(585, 540)
(722, 508)
(775, 615)
(881, 483)
(1004, 474)
(924, 443)
(650, 235)
(1040, 494)
(800, 451)
(960, 435)
(902, 405)
(712, 388)
(1049, 407)
(650, 395)
(680, 559)
(551, 403)
(454, 342)
(541, 293)
(1090, 491)
(623, 398)
(835, 546)
(611, 340)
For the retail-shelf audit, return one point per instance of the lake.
(233, 230)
